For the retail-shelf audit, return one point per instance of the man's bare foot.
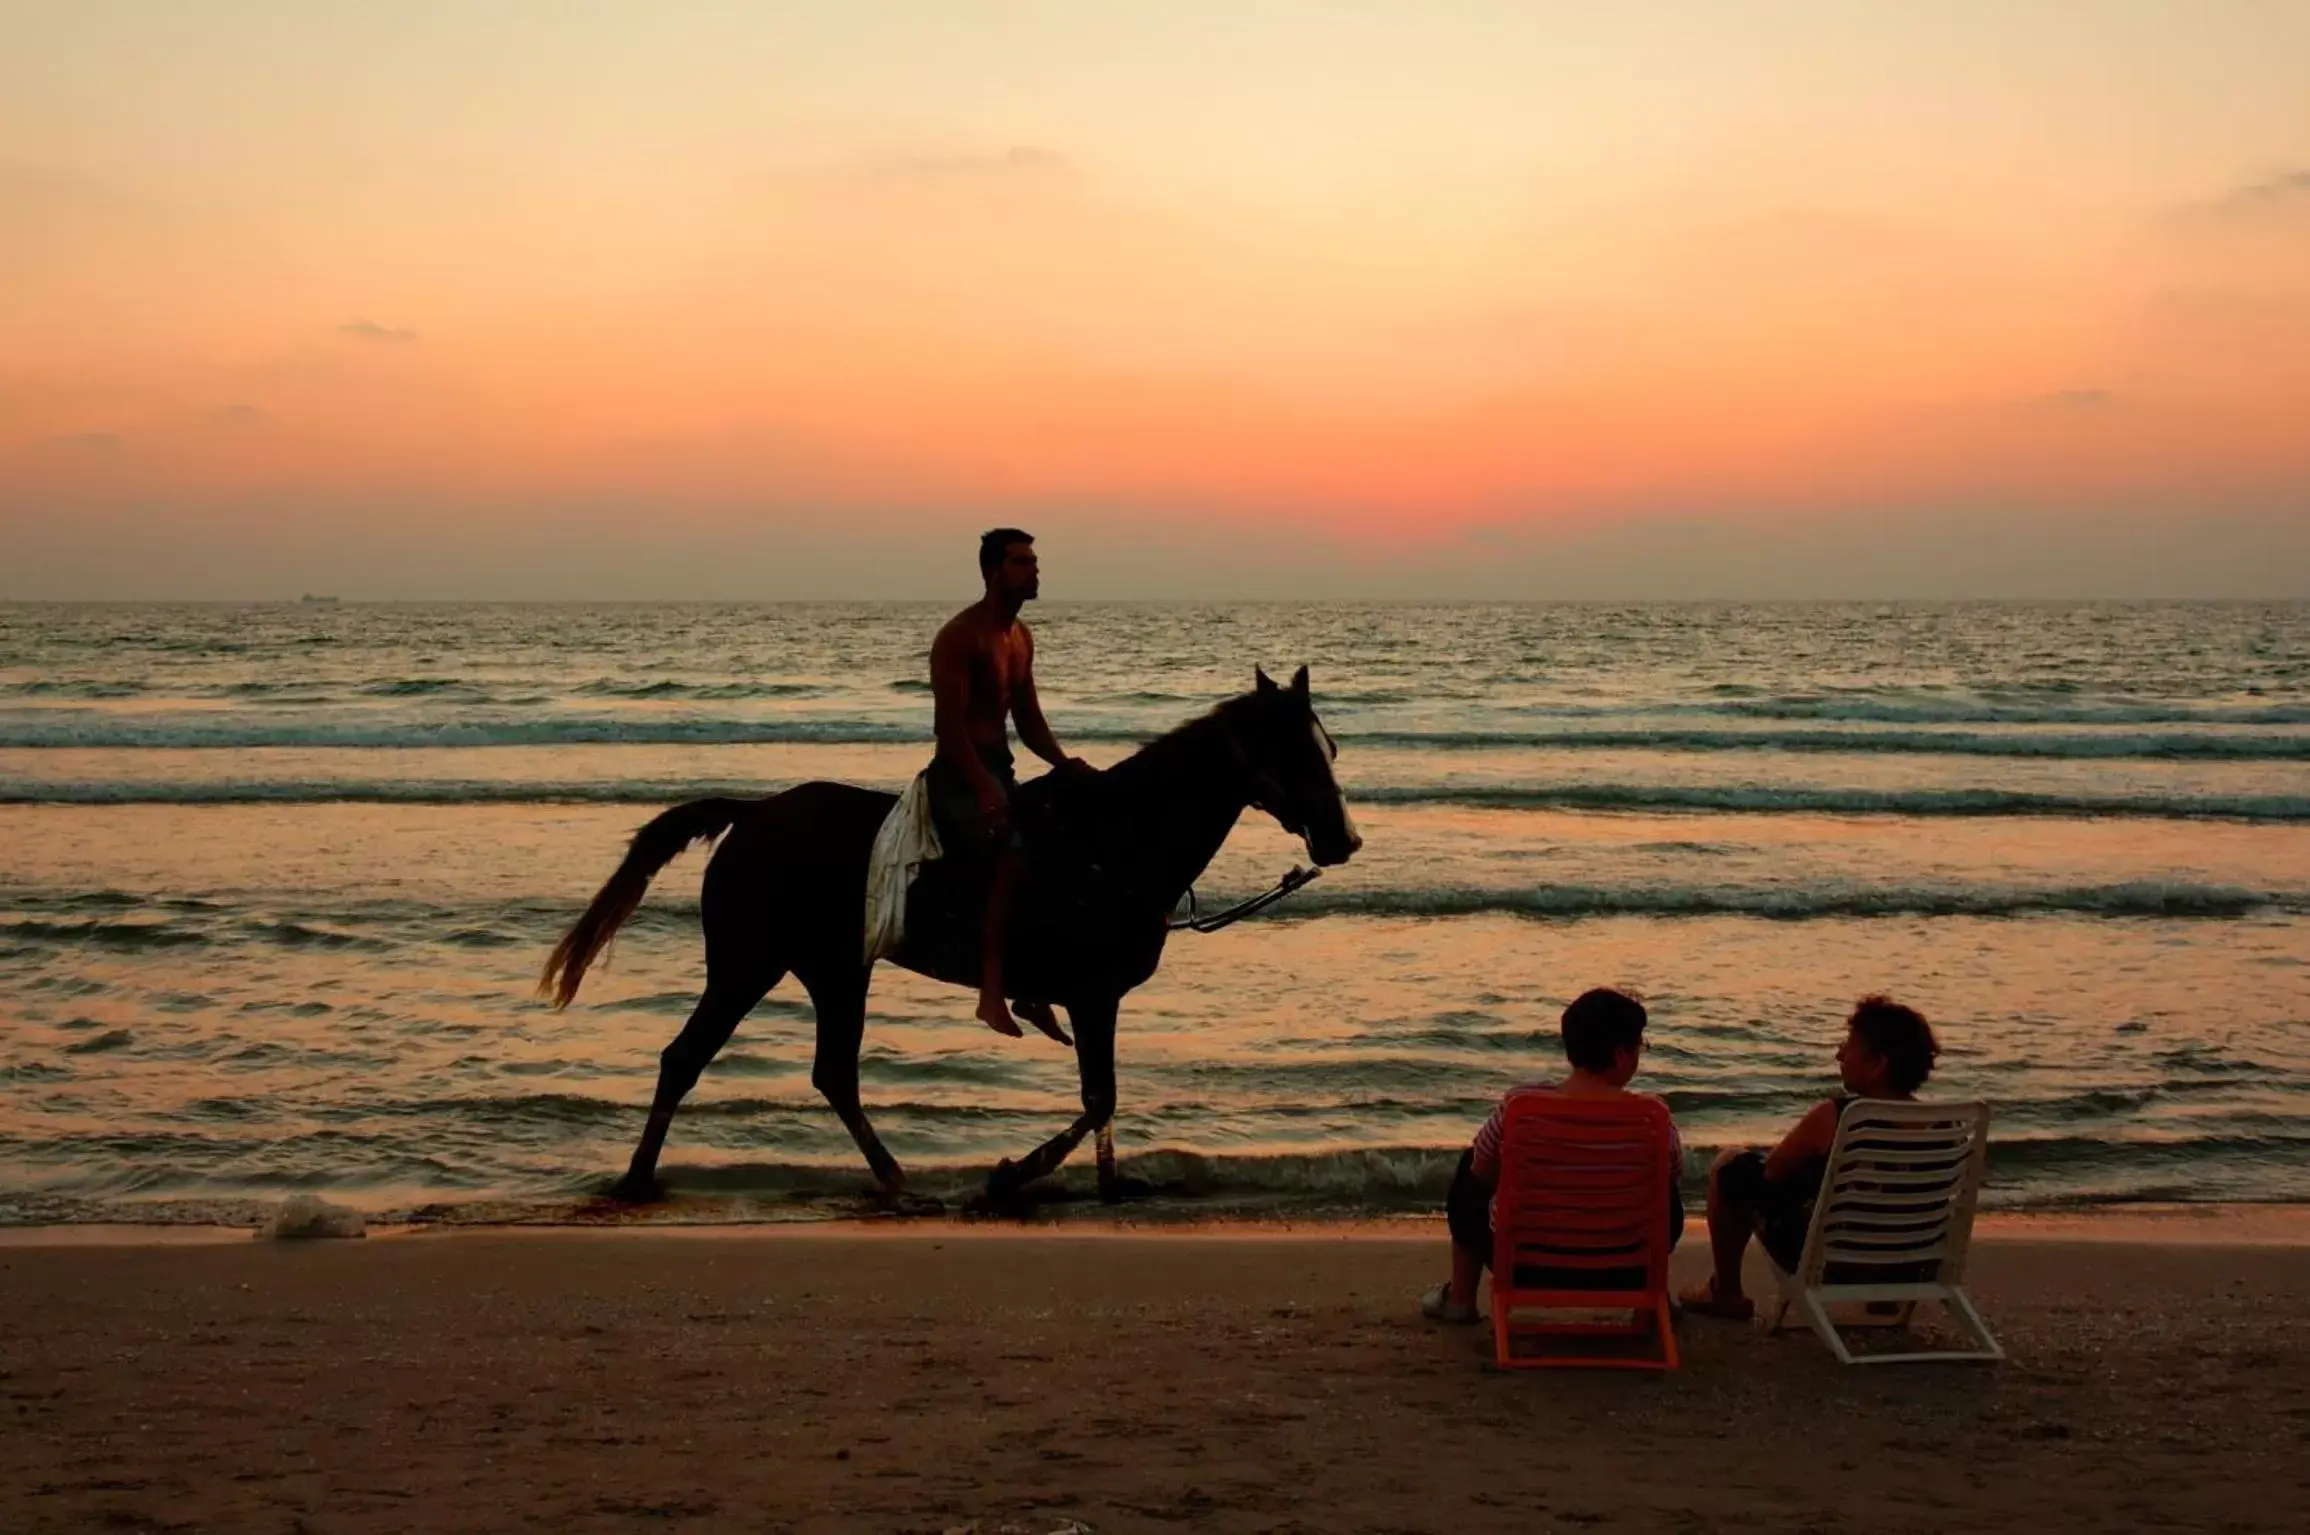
(1703, 1300)
(996, 1015)
(1040, 1015)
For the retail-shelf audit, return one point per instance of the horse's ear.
(1266, 683)
(1299, 682)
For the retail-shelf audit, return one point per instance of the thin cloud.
(2077, 399)
(1022, 171)
(1021, 162)
(2284, 196)
(370, 330)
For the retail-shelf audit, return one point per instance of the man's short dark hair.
(1902, 1036)
(1599, 1025)
(995, 547)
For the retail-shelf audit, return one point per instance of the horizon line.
(321, 600)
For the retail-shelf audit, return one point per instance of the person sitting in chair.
(1604, 1044)
(1888, 1052)
(982, 677)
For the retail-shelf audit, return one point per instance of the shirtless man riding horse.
(982, 677)
(787, 885)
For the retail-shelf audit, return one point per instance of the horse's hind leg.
(841, 1003)
(727, 1000)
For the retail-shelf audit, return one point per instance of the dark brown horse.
(1109, 856)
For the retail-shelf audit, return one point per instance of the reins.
(1196, 922)
(1264, 794)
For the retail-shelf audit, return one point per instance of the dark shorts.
(1468, 1212)
(1782, 1216)
(1782, 1212)
(954, 805)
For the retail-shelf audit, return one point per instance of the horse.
(1109, 855)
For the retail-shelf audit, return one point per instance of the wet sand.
(942, 1377)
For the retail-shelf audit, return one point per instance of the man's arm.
(1027, 710)
(1484, 1161)
(1811, 1137)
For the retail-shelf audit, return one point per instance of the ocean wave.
(46, 729)
(2132, 899)
(1912, 709)
(1391, 1176)
(385, 926)
(384, 792)
(2210, 745)
(74, 687)
(197, 733)
(208, 1180)
(1156, 707)
(1753, 799)
(421, 687)
(103, 935)
(1757, 798)
(709, 692)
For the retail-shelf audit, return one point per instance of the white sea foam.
(303, 1217)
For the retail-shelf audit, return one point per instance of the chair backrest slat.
(1878, 1132)
(1899, 1191)
(1866, 1200)
(1584, 1185)
(1879, 1177)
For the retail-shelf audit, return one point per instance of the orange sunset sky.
(1484, 299)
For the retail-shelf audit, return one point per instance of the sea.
(276, 883)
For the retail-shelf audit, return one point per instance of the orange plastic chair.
(1580, 1223)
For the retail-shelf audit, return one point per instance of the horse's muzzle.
(1334, 851)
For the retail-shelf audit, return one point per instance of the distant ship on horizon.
(319, 601)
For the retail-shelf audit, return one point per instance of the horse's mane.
(1174, 748)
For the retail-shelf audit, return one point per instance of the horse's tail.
(653, 847)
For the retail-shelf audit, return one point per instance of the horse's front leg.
(1095, 1059)
(1114, 1187)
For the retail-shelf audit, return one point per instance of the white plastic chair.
(1892, 1223)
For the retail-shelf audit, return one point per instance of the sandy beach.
(939, 1376)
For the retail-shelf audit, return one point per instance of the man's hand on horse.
(1076, 765)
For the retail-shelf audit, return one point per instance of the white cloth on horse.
(905, 843)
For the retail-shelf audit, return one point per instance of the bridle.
(1268, 792)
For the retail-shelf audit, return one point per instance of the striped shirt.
(1486, 1163)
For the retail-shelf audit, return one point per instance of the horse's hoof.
(1123, 1188)
(1003, 1182)
(636, 1189)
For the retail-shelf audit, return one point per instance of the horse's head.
(1289, 756)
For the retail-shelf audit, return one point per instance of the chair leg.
(1819, 1315)
(1961, 1306)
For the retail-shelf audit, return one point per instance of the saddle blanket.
(905, 843)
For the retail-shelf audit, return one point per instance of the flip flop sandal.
(1706, 1302)
(1437, 1306)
